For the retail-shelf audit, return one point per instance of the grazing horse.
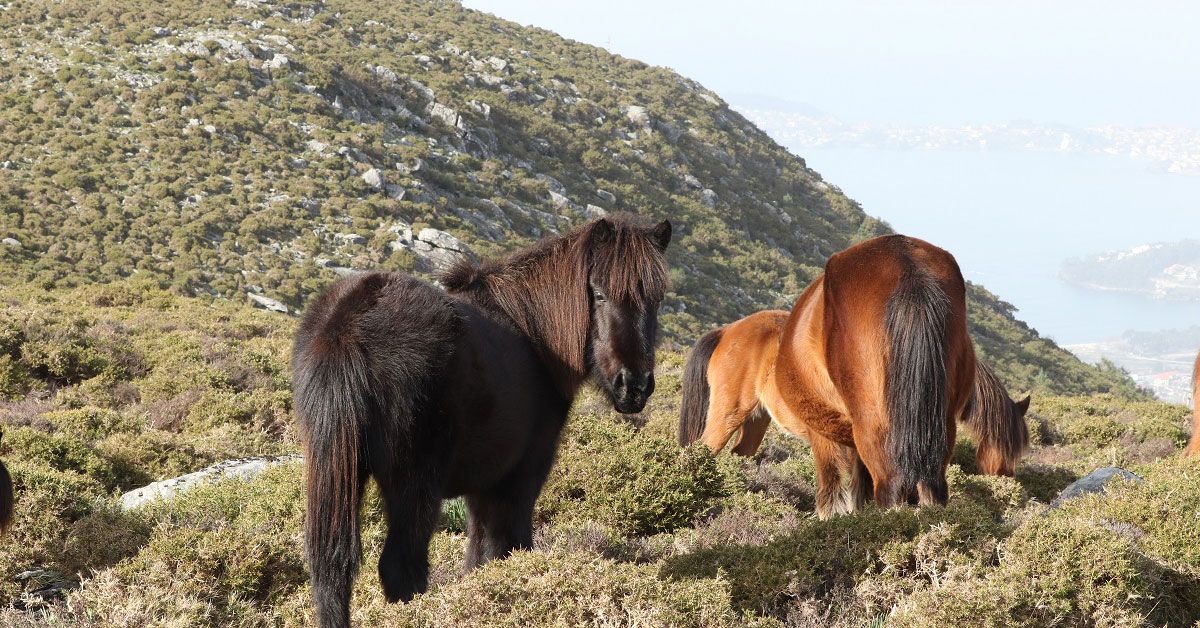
(748, 348)
(465, 391)
(873, 365)
(1193, 448)
(998, 423)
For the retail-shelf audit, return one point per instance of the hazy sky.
(915, 61)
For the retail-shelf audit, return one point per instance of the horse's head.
(627, 278)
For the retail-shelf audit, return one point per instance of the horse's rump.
(896, 350)
(363, 361)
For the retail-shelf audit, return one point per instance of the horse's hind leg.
(832, 463)
(753, 431)
(862, 487)
(412, 507)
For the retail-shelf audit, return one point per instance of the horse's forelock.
(628, 264)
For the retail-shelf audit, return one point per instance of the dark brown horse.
(6, 497)
(874, 365)
(463, 392)
(729, 367)
(1193, 448)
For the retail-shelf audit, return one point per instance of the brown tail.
(997, 422)
(918, 315)
(331, 401)
(693, 411)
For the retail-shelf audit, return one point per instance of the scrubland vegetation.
(110, 387)
(162, 160)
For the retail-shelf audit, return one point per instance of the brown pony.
(873, 364)
(748, 348)
(1193, 448)
(463, 392)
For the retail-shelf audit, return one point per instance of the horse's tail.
(917, 322)
(331, 396)
(6, 498)
(1001, 434)
(693, 411)
(364, 358)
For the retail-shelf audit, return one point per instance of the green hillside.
(227, 149)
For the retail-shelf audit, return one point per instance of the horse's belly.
(503, 422)
(796, 412)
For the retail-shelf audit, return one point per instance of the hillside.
(117, 385)
(264, 148)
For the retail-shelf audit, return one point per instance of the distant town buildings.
(1170, 148)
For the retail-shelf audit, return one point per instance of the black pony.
(463, 392)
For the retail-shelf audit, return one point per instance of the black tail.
(918, 314)
(6, 498)
(1001, 434)
(693, 411)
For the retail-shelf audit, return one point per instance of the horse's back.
(747, 350)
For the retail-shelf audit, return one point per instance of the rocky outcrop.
(267, 303)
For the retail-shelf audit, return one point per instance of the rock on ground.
(1095, 482)
(268, 303)
(242, 468)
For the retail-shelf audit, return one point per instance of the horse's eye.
(597, 295)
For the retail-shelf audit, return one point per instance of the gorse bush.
(637, 483)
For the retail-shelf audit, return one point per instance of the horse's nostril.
(619, 382)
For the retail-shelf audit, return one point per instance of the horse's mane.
(543, 289)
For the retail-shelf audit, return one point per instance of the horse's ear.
(662, 234)
(603, 231)
(1023, 405)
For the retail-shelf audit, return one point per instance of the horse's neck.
(568, 371)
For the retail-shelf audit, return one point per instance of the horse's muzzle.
(630, 391)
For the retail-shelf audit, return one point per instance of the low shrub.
(566, 589)
(637, 483)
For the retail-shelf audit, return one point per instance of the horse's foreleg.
(501, 519)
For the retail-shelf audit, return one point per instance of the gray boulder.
(242, 468)
(268, 303)
(638, 115)
(373, 178)
(1095, 482)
